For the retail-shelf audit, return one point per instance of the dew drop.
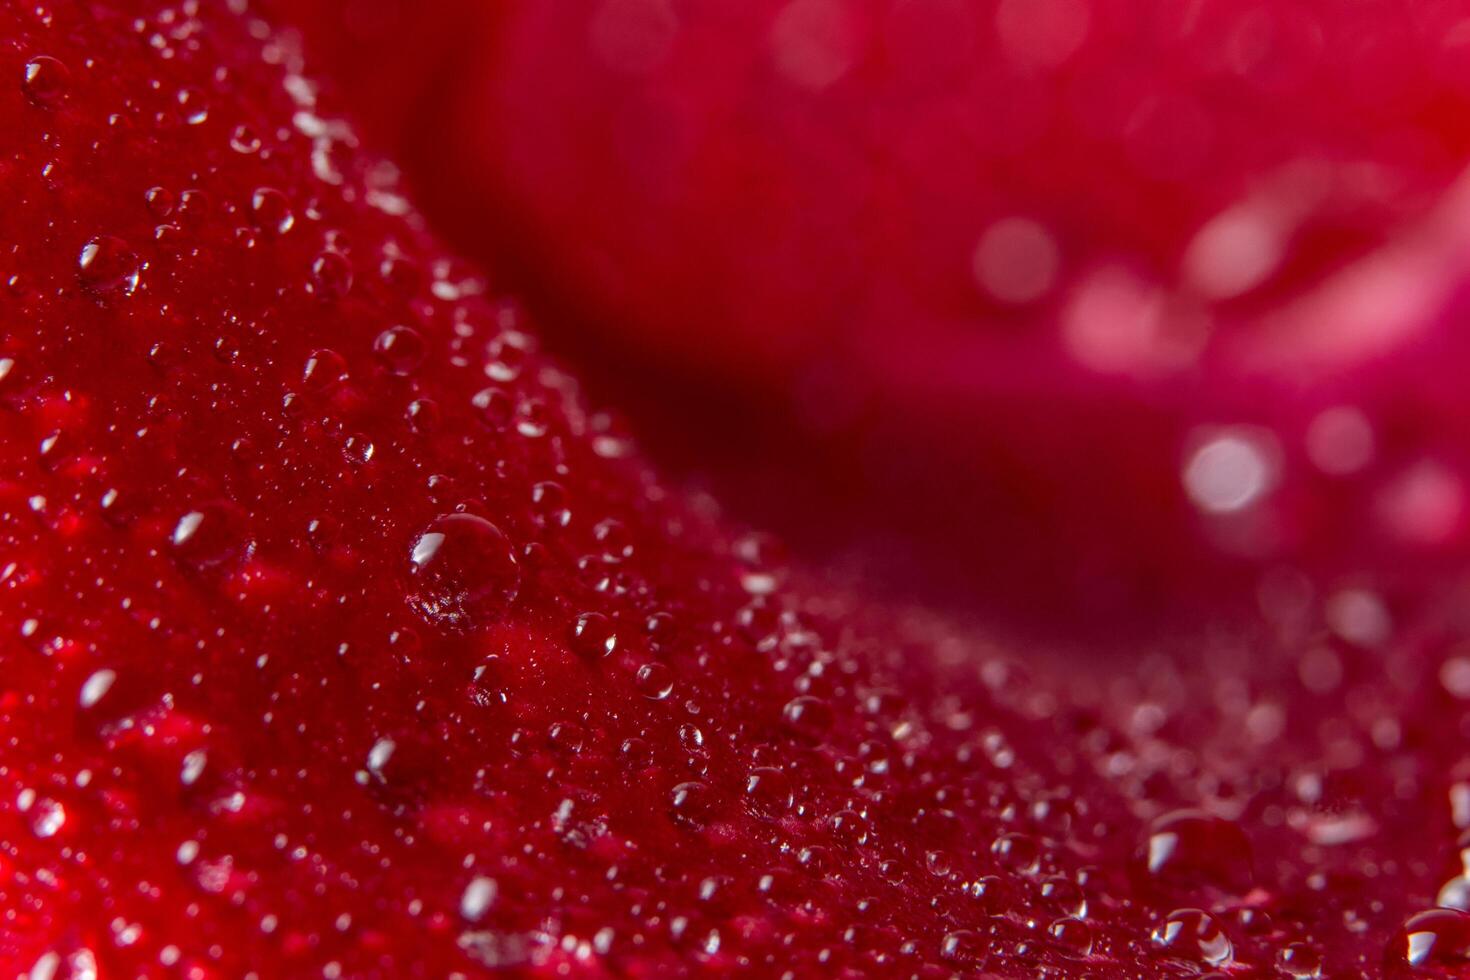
(193, 106)
(45, 81)
(1189, 934)
(1072, 935)
(963, 946)
(593, 636)
(243, 139)
(271, 212)
(1299, 960)
(1436, 938)
(1188, 848)
(549, 505)
(106, 266)
(654, 681)
(400, 349)
(323, 369)
(1016, 852)
(808, 716)
(462, 572)
(768, 792)
(331, 275)
(692, 804)
(423, 415)
(209, 536)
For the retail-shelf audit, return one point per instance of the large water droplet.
(1190, 934)
(271, 212)
(462, 571)
(106, 266)
(1188, 848)
(1437, 938)
(209, 536)
(45, 81)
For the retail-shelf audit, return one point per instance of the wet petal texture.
(340, 635)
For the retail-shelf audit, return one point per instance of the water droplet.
(209, 536)
(193, 106)
(160, 201)
(614, 539)
(1017, 852)
(323, 369)
(106, 266)
(462, 571)
(808, 716)
(1189, 934)
(1436, 938)
(423, 415)
(1064, 896)
(549, 505)
(331, 275)
(848, 827)
(654, 681)
(1072, 935)
(243, 139)
(496, 408)
(45, 81)
(593, 636)
(1299, 960)
(1454, 894)
(357, 449)
(270, 211)
(692, 804)
(507, 355)
(964, 946)
(400, 349)
(768, 792)
(992, 894)
(1188, 848)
